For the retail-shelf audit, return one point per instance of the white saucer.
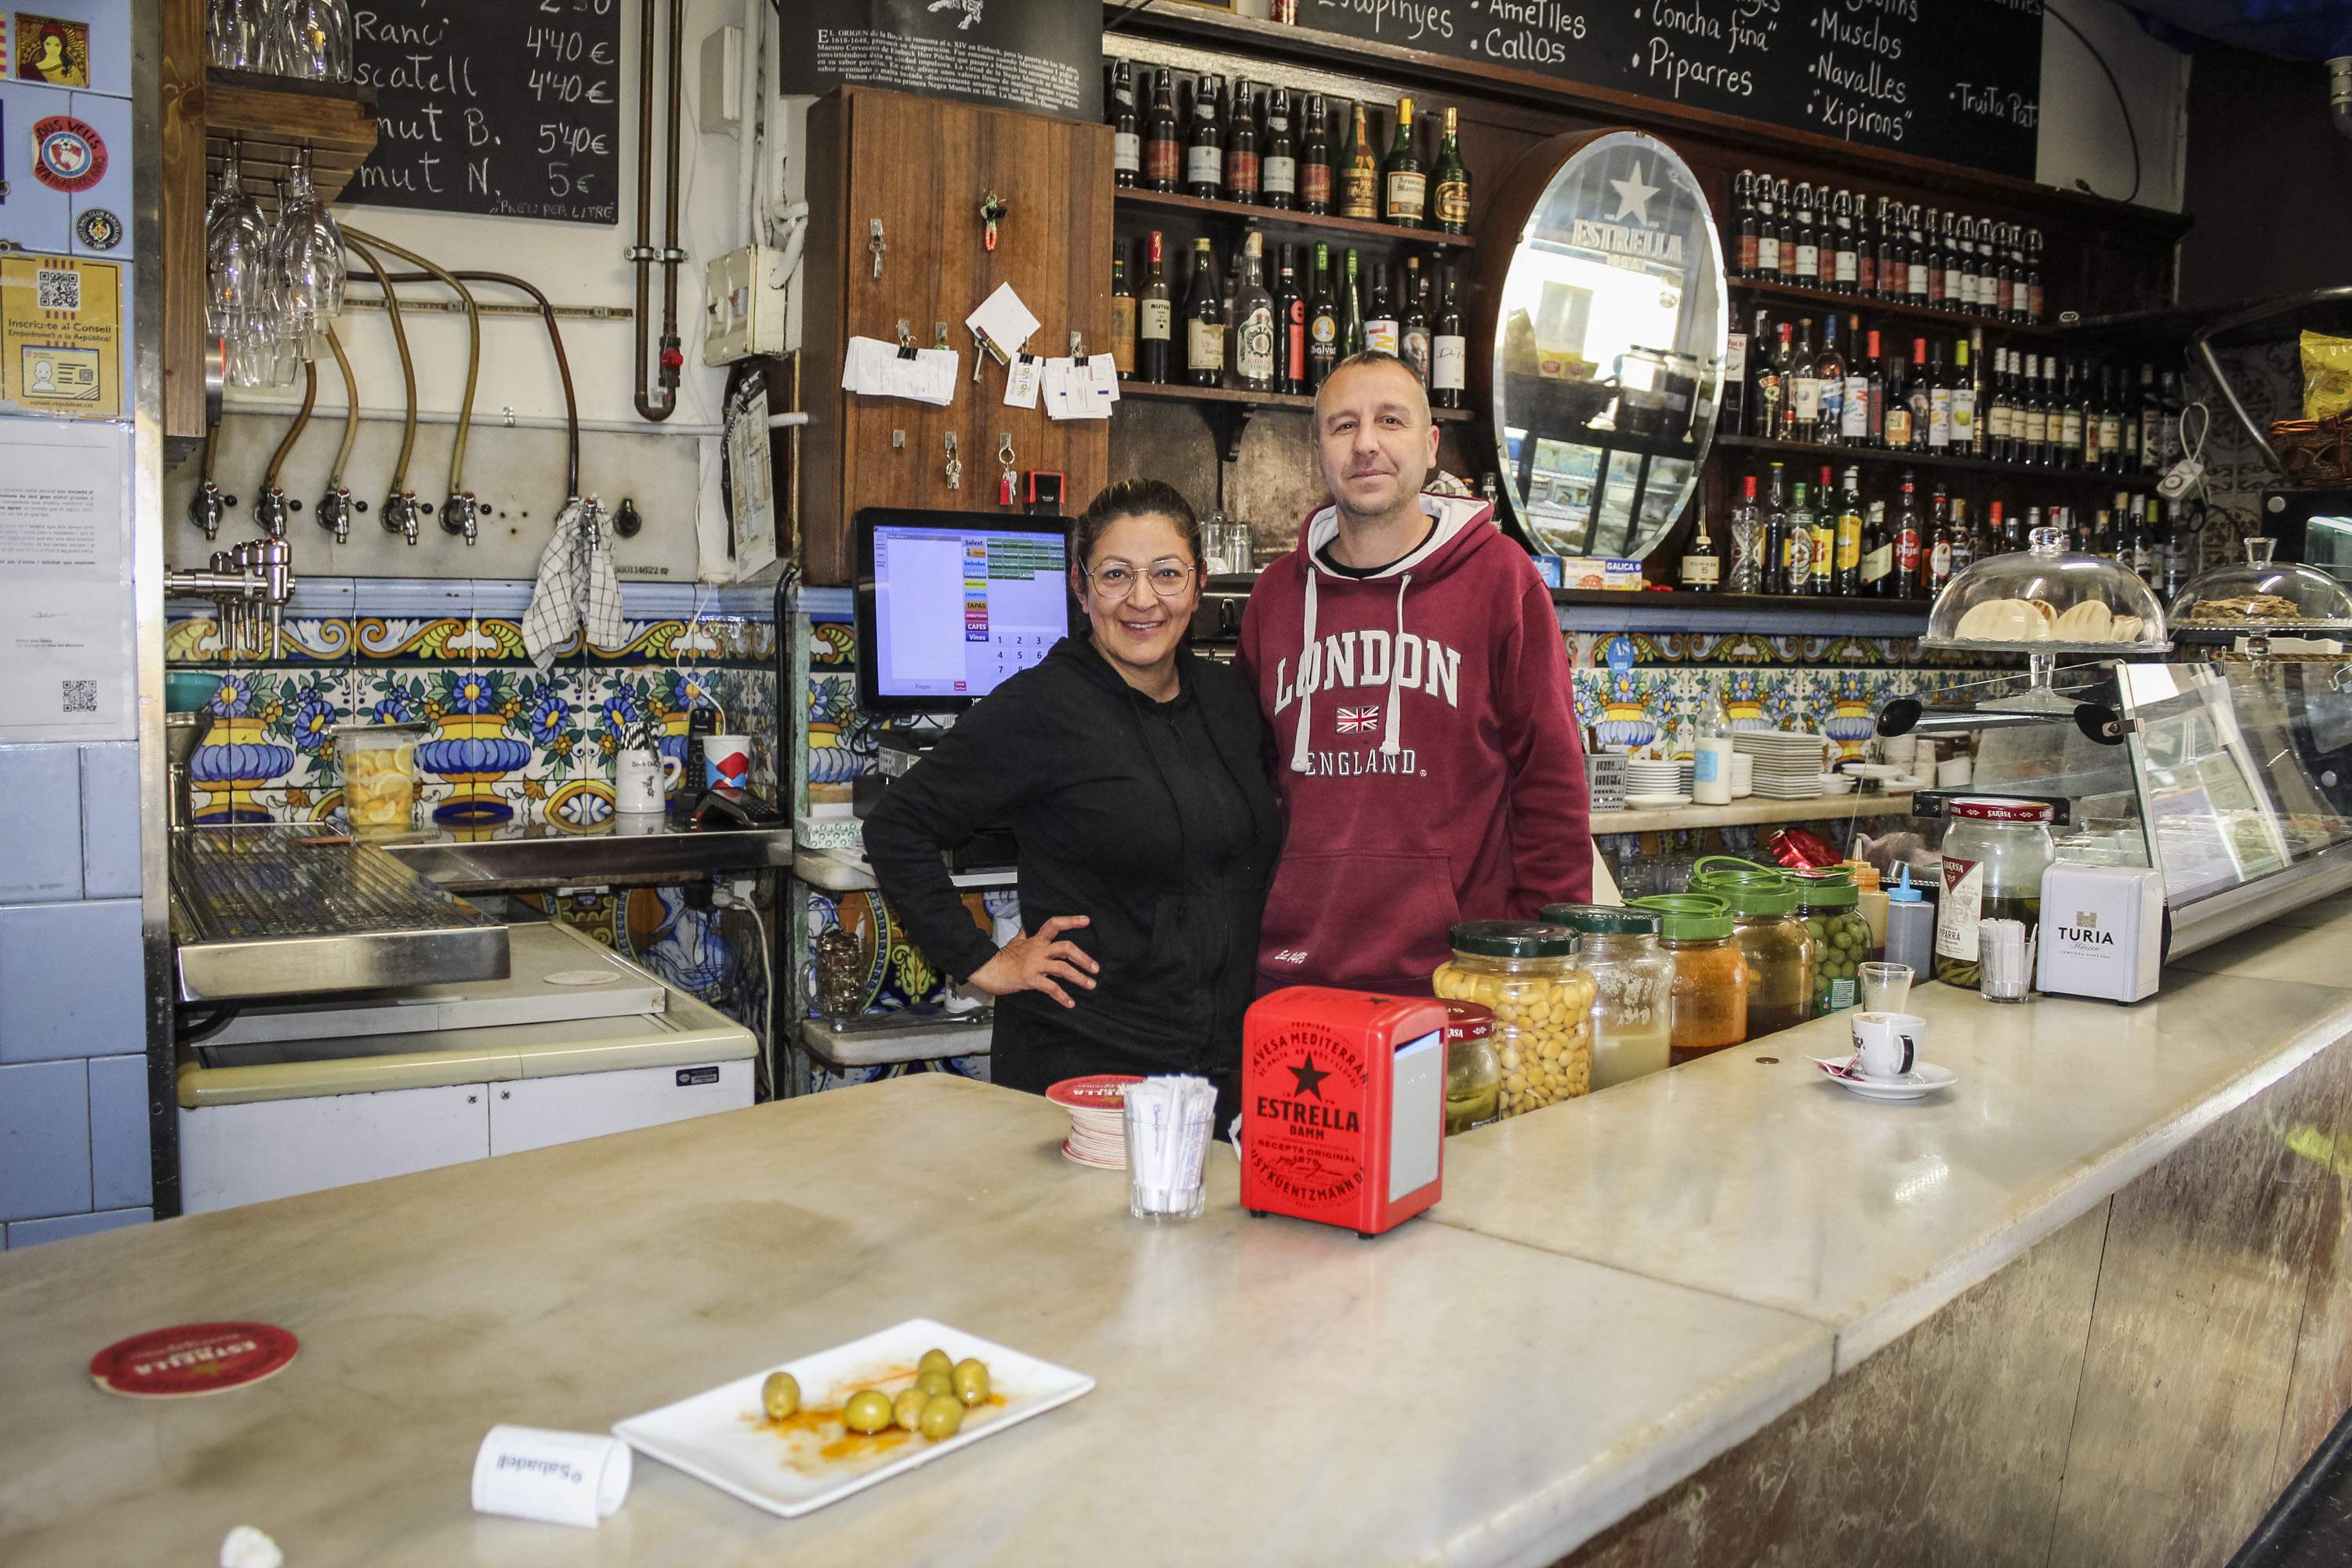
(1656, 802)
(1924, 1078)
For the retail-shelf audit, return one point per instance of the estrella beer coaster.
(193, 1358)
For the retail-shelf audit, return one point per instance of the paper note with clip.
(1002, 322)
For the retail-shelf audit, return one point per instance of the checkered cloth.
(576, 586)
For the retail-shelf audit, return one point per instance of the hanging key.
(1008, 488)
(979, 359)
(955, 464)
(873, 242)
(992, 213)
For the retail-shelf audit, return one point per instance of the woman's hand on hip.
(1037, 962)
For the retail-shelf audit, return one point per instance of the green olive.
(940, 1380)
(868, 1410)
(780, 1395)
(908, 1408)
(935, 1360)
(942, 1416)
(972, 1379)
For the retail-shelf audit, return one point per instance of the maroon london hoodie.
(1425, 748)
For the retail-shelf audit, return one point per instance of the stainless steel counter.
(531, 858)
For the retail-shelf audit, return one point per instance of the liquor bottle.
(1787, 229)
(1414, 320)
(1825, 538)
(2054, 415)
(2015, 254)
(1359, 175)
(1873, 416)
(1381, 330)
(1998, 432)
(1865, 248)
(2087, 396)
(1773, 567)
(1939, 403)
(1914, 259)
(2111, 422)
(1204, 321)
(1315, 159)
(1907, 546)
(1877, 554)
(1351, 310)
(1322, 321)
(1892, 263)
(1233, 288)
(1205, 156)
(1164, 153)
(1963, 255)
(1797, 568)
(1804, 382)
(1743, 191)
(1846, 262)
(2148, 545)
(1854, 402)
(1450, 182)
(2167, 424)
(2100, 540)
(2150, 416)
(1921, 391)
(1829, 429)
(1747, 541)
(1701, 570)
(2004, 275)
(1449, 347)
(1278, 170)
(1255, 354)
(1768, 230)
(2033, 417)
(1404, 183)
(1290, 323)
(1894, 430)
(1849, 535)
(1153, 316)
(1964, 544)
(2070, 416)
(2013, 534)
(1939, 543)
(1967, 439)
(1956, 280)
(2032, 275)
(1126, 131)
(1243, 169)
(1773, 360)
(1809, 244)
(1122, 314)
(1734, 416)
(1933, 237)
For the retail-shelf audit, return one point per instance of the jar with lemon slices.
(1527, 974)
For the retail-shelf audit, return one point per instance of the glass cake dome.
(2047, 599)
(2260, 594)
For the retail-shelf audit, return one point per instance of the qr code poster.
(61, 336)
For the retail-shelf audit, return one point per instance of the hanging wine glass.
(234, 33)
(236, 246)
(307, 256)
(310, 39)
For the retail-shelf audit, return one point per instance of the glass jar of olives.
(1995, 852)
(1780, 951)
(1710, 994)
(1474, 1080)
(1831, 906)
(1632, 988)
(1528, 973)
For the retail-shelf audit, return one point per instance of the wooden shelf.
(272, 118)
(1271, 218)
(1872, 305)
(1234, 397)
(1752, 812)
(1683, 599)
(1881, 456)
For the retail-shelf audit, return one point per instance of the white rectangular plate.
(722, 1438)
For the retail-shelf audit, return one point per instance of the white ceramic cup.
(725, 760)
(1955, 773)
(638, 778)
(1887, 1044)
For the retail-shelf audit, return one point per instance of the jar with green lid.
(1710, 993)
(1831, 906)
(1632, 988)
(1474, 1081)
(1781, 951)
(1526, 971)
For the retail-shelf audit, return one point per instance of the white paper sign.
(558, 1477)
(1003, 320)
(66, 604)
(1020, 382)
(876, 369)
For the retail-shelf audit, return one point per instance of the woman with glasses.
(1128, 769)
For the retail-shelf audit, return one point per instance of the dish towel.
(576, 586)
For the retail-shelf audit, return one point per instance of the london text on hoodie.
(1425, 748)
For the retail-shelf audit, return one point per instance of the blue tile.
(32, 1232)
(72, 981)
(44, 1139)
(45, 865)
(119, 1172)
(110, 821)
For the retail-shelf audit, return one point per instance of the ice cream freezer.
(574, 1041)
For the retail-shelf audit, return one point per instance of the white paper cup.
(1887, 1044)
(557, 1477)
(725, 760)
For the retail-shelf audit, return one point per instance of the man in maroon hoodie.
(1409, 666)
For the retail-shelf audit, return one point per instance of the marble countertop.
(1611, 1293)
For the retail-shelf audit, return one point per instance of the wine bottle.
(1824, 553)
(1381, 330)
(1804, 412)
(1278, 170)
(1964, 402)
(1772, 569)
(1939, 403)
(1405, 185)
(1154, 316)
(1126, 133)
(1895, 431)
(1413, 322)
(1322, 321)
(1854, 405)
(1290, 321)
(1701, 570)
(1449, 347)
(1743, 195)
(1204, 321)
(1907, 542)
(1829, 428)
(1849, 536)
(1922, 393)
(1241, 166)
(1846, 265)
(1359, 180)
(1253, 321)
(1164, 153)
(1809, 245)
(1315, 159)
(1781, 199)
(1877, 554)
(1449, 182)
(1351, 311)
(1767, 231)
(1122, 314)
(1205, 156)
(1939, 543)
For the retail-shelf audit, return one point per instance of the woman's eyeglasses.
(1168, 578)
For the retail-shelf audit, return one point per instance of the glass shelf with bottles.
(1840, 242)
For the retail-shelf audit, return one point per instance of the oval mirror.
(1608, 342)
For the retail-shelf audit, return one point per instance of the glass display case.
(2260, 594)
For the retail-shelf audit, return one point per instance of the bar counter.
(1614, 1297)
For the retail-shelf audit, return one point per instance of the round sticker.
(98, 229)
(194, 1358)
(67, 153)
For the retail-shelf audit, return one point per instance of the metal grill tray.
(285, 910)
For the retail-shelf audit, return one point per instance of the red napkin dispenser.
(1343, 1107)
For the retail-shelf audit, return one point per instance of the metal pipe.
(459, 513)
(659, 401)
(520, 421)
(399, 513)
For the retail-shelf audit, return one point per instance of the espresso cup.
(1887, 1044)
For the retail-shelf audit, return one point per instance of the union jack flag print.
(1360, 720)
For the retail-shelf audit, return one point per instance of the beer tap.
(459, 514)
(257, 576)
(400, 514)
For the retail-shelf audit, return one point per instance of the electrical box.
(745, 291)
(721, 103)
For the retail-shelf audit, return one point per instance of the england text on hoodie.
(1425, 748)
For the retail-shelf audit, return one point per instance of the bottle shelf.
(1235, 397)
(1138, 200)
(1872, 305)
(1685, 599)
(1908, 459)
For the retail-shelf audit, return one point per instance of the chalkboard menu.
(1044, 56)
(1951, 79)
(506, 107)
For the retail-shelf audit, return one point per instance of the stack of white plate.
(1651, 785)
(1097, 1108)
(1788, 762)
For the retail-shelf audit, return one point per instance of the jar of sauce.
(1526, 972)
(1474, 1083)
(1779, 949)
(1632, 988)
(1710, 994)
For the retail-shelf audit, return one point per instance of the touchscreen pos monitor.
(951, 604)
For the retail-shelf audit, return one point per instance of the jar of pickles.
(1831, 906)
(1632, 988)
(1710, 992)
(1528, 973)
(1781, 952)
(1474, 1082)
